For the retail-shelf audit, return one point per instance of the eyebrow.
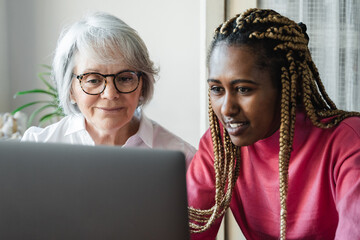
(95, 70)
(236, 81)
(87, 70)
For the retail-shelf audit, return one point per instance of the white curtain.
(334, 31)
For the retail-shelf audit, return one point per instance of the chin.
(110, 126)
(241, 142)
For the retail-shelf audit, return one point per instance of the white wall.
(170, 29)
(4, 81)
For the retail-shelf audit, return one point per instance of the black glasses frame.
(105, 76)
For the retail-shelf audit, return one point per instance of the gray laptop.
(57, 191)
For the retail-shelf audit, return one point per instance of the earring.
(141, 100)
(72, 101)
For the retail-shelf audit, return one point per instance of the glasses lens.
(93, 83)
(126, 82)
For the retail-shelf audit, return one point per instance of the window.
(334, 31)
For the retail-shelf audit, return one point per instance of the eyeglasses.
(95, 83)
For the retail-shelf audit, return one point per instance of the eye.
(93, 81)
(243, 90)
(216, 90)
(126, 78)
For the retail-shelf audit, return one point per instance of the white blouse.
(71, 130)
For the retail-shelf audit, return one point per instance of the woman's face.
(109, 111)
(243, 96)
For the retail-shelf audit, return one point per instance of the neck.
(113, 136)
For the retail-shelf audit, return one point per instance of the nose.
(110, 92)
(230, 106)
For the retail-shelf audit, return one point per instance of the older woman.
(104, 76)
(278, 152)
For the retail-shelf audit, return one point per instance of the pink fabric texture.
(324, 184)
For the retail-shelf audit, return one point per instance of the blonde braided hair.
(286, 44)
(225, 167)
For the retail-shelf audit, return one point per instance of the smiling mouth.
(236, 128)
(110, 109)
(236, 125)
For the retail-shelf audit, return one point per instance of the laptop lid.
(60, 191)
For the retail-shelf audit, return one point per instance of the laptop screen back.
(58, 191)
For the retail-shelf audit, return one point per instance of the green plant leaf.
(35, 91)
(37, 111)
(47, 83)
(48, 73)
(47, 117)
(46, 66)
(27, 105)
(51, 91)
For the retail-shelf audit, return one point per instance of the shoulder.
(350, 125)
(347, 128)
(205, 153)
(344, 135)
(47, 134)
(342, 145)
(164, 137)
(200, 177)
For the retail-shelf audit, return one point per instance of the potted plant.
(52, 103)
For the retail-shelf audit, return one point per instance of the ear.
(141, 101)
(72, 98)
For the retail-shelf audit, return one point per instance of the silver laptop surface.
(58, 191)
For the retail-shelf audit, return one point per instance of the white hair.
(103, 37)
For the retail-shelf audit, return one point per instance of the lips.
(236, 128)
(236, 125)
(110, 109)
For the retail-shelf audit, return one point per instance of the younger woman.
(278, 152)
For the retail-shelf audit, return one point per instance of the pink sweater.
(324, 184)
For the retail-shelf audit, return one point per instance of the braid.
(226, 172)
(285, 43)
(226, 25)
